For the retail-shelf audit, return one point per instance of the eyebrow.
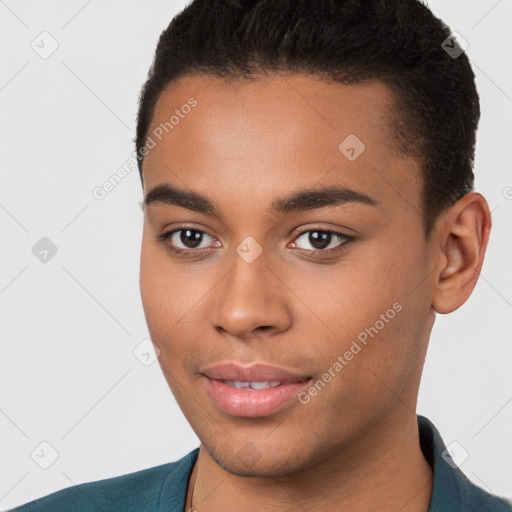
(301, 200)
(310, 199)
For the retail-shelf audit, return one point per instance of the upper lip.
(254, 373)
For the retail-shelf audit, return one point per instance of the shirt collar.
(452, 490)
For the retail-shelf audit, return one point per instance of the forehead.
(281, 102)
(279, 129)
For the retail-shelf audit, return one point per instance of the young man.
(308, 208)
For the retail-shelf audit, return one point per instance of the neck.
(384, 470)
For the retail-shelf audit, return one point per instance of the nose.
(251, 300)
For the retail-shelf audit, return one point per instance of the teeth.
(264, 385)
(252, 385)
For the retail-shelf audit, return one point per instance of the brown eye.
(321, 240)
(187, 239)
(190, 238)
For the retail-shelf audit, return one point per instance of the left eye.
(319, 240)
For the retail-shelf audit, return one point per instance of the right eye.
(186, 240)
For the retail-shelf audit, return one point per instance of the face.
(301, 247)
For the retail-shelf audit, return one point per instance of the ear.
(462, 234)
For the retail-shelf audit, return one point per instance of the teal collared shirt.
(163, 488)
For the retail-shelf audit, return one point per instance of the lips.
(252, 391)
(255, 373)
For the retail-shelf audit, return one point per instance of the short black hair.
(399, 42)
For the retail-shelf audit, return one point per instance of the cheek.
(163, 297)
(371, 319)
(349, 296)
(151, 287)
(172, 295)
(365, 366)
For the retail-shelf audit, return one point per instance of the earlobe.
(463, 237)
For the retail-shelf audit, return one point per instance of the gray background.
(69, 326)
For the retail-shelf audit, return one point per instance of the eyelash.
(184, 253)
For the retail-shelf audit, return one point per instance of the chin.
(249, 462)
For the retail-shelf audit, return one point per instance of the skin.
(355, 445)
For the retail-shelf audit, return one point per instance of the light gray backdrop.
(70, 321)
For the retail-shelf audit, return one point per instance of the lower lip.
(253, 402)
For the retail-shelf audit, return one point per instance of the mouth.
(257, 385)
(253, 399)
(257, 374)
(252, 391)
